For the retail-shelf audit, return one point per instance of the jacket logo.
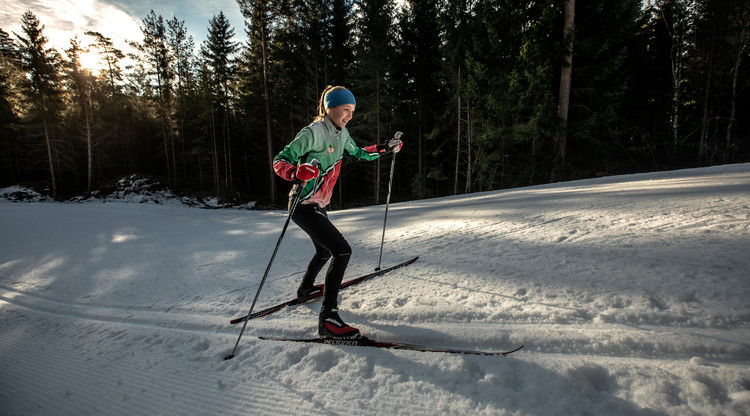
(331, 149)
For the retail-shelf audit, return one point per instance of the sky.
(119, 20)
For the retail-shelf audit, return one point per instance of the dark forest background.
(489, 94)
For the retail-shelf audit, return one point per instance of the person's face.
(340, 115)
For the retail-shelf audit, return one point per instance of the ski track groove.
(613, 339)
(192, 390)
(155, 319)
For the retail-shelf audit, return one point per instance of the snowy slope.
(630, 294)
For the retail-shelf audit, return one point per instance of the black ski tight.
(329, 245)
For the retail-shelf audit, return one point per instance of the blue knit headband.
(339, 97)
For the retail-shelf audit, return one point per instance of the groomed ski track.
(628, 292)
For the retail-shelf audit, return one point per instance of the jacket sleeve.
(366, 153)
(285, 163)
(284, 169)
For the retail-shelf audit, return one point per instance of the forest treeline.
(489, 94)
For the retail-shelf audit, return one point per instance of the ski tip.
(512, 351)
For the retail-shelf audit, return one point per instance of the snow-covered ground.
(631, 295)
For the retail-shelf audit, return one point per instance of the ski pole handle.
(394, 144)
(396, 137)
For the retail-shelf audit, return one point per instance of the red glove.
(304, 173)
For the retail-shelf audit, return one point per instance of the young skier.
(326, 140)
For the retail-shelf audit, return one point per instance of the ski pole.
(388, 200)
(297, 194)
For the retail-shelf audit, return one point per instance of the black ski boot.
(330, 325)
(307, 293)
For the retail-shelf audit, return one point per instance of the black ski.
(366, 342)
(319, 293)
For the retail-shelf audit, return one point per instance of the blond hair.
(322, 101)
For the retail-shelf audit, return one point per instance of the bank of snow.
(629, 293)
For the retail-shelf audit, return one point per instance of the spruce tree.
(374, 60)
(81, 85)
(218, 51)
(42, 65)
(11, 79)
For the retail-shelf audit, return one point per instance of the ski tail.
(367, 342)
(265, 312)
(361, 279)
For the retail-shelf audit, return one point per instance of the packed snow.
(630, 294)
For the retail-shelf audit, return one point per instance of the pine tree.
(111, 56)
(81, 84)
(340, 49)
(158, 77)
(115, 149)
(738, 43)
(509, 79)
(218, 51)
(374, 60)
(601, 84)
(11, 79)
(263, 18)
(679, 18)
(454, 18)
(42, 66)
(181, 49)
(422, 84)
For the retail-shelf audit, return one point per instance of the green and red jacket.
(323, 141)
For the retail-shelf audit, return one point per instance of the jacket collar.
(330, 127)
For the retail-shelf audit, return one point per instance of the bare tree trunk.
(704, 125)
(729, 146)
(89, 145)
(458, 134)
(677, 31)
(49, 155)
(170, 126)
(166, 143)
(676, 97)
(162, 102)
(422, 178)
(564, 98)
(228, 139)
(377, 133)
(215, 160)
(469, 139)
(267, 95)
